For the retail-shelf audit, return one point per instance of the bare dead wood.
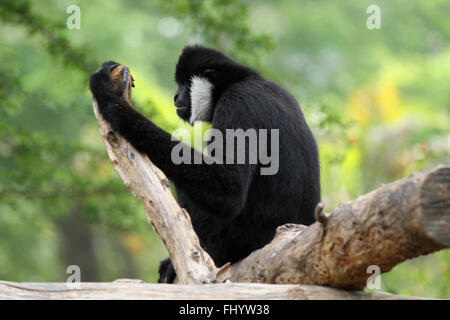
(173, 224)
(402, 220)
(395, 222)
(141, 291)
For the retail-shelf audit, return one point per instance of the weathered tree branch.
(140, 291)
(395, 222)
(402, 220)
(173, 224)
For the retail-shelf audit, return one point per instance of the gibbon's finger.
(108, 66)
(123, 82)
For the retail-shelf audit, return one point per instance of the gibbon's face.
(197, 75)
(194, 98)
(203, 75)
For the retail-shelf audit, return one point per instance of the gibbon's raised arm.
(227, 184)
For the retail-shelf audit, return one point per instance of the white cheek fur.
(201, 99)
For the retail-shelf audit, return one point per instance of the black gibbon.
(233, 207)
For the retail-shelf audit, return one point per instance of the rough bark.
(141, 291)
(395, 222)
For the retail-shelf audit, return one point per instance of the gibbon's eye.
(209, 73)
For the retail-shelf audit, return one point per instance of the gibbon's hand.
(110, 82)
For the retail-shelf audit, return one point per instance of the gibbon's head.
(203, 75)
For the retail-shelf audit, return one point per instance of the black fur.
(233, 208)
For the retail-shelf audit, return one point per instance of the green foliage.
(378, 102)
(20, 12)
(223, 24)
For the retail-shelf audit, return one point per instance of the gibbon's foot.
(166, 271)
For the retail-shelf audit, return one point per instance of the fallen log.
(398, 221)
(145, 291)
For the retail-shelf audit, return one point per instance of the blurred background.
(378, 102)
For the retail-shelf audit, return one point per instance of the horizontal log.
(145, 291)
